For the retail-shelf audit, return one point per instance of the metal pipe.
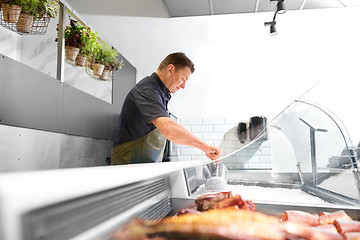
(313, 128)
(211, 7)
(313, 156)
(61, 44)
(300, 173)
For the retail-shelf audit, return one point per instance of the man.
(144, 120)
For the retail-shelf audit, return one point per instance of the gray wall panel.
(83, 152)
(85, 115)
(23, 149)
(124, 80)
(46, 124)
(29, 98)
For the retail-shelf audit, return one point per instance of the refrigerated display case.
(311, 165)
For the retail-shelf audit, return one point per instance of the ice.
(286, 195)
(267, 194)
(343, 184)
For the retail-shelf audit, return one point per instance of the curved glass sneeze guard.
(304, 150)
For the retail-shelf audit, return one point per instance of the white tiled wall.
(221, 132)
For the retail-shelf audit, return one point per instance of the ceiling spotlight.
(281, 7)
(272, 27)
(273, 30)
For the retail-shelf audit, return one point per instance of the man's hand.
(213, 153)
(180, 135)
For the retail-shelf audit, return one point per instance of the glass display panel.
(82, 77)
(305, 155)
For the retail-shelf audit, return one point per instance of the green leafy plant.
(98, 53)
(107, 56)
(111, 59)
(29, 6)
(73, 34)
(86, 40)
(48, 7)
(89, 38)
(81, 37)
(37, 8)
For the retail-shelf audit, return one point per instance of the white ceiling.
(122, 23)
(183, 8)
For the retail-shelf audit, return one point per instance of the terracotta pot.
(105, 75)
(71, 53)
(98, 69)
(6, 11)
(80, 60)
(24, 22)
(10, 14)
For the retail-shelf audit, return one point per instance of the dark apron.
(147, 149)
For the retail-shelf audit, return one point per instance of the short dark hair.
(178, 59)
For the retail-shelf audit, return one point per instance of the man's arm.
(180, 135)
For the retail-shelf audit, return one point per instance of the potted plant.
(11, 10)
(89, 38)
(33, 10)
(27, 15)
(97, 59)
(111, 62)
(73, 41)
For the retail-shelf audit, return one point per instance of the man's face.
(177, 77)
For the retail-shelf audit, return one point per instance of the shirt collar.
(163, 88)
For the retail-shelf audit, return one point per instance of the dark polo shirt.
(146, 101)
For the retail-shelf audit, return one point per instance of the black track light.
(280, 7)
(273, 30)
(272, 27)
